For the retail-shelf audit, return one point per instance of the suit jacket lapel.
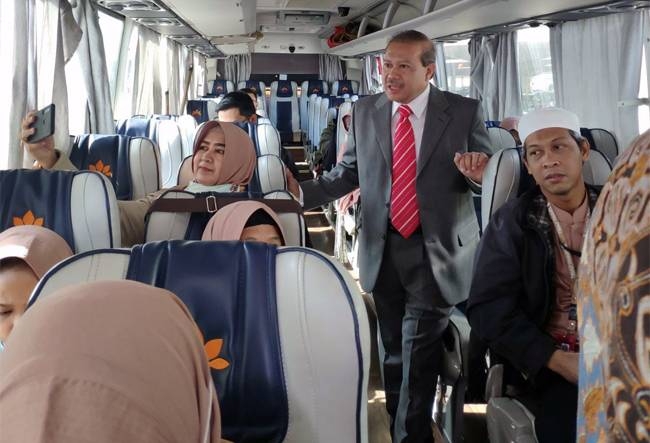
(382, 120)
(437, 120)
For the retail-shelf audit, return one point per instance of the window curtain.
(494, 75)
(329, 68)
(370, 75)
(92, 60)
(199, 76)
(148, 87)
(600, 59)
(174, 87)
(32, 78)
(238, 68)
(440, 76)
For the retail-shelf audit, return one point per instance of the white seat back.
(500, 138)
(284, 117)
(271, 174)
(187, 125)
(144, 166)
(322, 328)
(307, 88)
(171, 151)
(268, 139)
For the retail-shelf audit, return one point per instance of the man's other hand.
(43, 151)
(565, 364)
(471, 164)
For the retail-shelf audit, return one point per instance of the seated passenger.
(26, 254)
(237, 107)
(116, 361)
(224, 160)
(510, 124)
(245, 221)
(613, 302)
(521, 300)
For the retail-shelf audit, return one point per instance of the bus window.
(535, 71)
(457, 64)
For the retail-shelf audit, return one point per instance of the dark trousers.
(412, 317)
(554, 403)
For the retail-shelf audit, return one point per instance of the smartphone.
(43, 125)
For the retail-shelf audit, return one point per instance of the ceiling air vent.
(159, 21)
(135, 5)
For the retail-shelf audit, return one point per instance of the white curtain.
(600, 66)
(440, 77)
(370, 76)
(238, 68)
(32, 77)
(148, 87)
(199, 76)
(329, 68)
(174, 87)
(91, 59)
(494, 74)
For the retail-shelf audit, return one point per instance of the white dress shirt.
(417, 118)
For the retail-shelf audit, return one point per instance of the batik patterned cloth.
(614, 306)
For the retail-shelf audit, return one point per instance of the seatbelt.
(212, 203)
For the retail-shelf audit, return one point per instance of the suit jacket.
(449, 224)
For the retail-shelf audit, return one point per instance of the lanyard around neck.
(565, 246)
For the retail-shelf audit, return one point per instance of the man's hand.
(471, 164)
(292, 183)
(565, 364)
(43, 151)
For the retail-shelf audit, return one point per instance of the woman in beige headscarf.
(107, 362)
(245, 221)
(26, 254)
(224, 160)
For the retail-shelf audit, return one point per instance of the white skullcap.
(547, 118)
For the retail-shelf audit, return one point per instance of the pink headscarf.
(229, 221)
(239, 159)
(115, 361)
(39, 247)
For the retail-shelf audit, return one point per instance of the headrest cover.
(547, 118)
(284, 89)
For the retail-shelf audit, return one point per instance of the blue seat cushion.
(229, 288)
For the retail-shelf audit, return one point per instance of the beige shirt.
(573, 228)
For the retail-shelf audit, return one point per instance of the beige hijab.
(107, 362)
(39, 247)
(229, 221)
(239, 159)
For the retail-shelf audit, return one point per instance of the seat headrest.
(284, 89)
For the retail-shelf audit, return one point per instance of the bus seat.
(220, 87)
(187, 124)
(259, 88)
(342, 88)
(171, 151)
(500, 138)
(130, 163)
(283, 108)
(453, 375)
(186, 221)
(509, 420)
(285, 331)
(321, 119)
(268, 139)
(78, 205)
(135, 126)
(602, 140)
(314, 113)
(318, 87)
(596, 170)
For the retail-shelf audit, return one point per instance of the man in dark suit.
(408, 154)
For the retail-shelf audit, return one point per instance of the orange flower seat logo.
(212, 350)
(28, 219)
(196, 113)
(101, 167)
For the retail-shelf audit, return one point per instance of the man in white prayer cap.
(522, 301)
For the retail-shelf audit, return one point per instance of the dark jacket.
(512, 290)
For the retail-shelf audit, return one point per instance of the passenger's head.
(236, 107)
(223, 154)
(511, 124)
(409, 64)
(245, 221)
(553, 150)
(116, 361)
(26, 254)
(251, 93)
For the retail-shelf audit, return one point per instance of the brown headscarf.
(229, 221)
(39, 247)
(115, 361)
(239, 159)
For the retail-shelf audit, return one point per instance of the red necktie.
(404, 212)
